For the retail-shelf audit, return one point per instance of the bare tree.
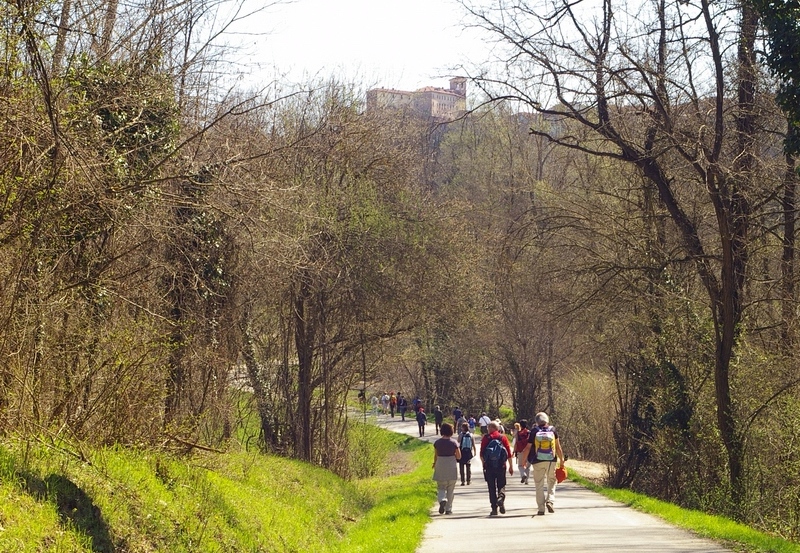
(654, 88)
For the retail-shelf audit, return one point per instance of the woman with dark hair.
(466, 443)
(445, 469)
(520, 442)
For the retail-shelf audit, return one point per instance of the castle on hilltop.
(431, 102)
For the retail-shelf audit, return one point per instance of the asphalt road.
(583, 521)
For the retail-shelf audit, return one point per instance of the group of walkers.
(537, 452)
(390, 403)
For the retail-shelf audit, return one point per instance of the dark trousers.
(421, 429)
(403, 413)
(438, 424)
(496, 479)
(468, 470)
(392, 408)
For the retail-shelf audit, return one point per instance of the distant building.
(431, 102)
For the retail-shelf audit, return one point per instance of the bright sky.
(403, 44)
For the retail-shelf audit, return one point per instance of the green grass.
(142, 501)
(731, 534)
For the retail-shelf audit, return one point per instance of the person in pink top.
(495, 454)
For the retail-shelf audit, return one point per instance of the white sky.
(405, 44)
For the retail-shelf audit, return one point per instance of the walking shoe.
(448, 512)
(494, 512)
(442, 505)
(462, 483)
(549, 506)
(540, 513)
(469, 482)
(502, 508)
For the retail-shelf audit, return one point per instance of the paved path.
(584, 521)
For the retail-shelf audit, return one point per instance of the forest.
(607, 234)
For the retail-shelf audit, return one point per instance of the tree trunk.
(304, 334)
(61, 37)
(257, 382)
(787, 258)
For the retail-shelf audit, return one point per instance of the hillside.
(123, 500)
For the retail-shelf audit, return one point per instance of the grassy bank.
(733, 535)
(129, 501)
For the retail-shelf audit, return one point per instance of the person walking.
(519, 444)
(543, 453)
(461, 420)
(422, 419)
(438, 417)
(457, 412)
(385, 403)
(402, 405)
(495, 454)
(466, 442)
(393, 403)
(445, 472)
(483, 422)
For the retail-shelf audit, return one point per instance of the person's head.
(446, 429)
(483, 414)
(465, 427)
(517, 426)
(493, 427)
(437, 407)
(523, 423)
(542, 419)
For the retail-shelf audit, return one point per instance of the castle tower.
(459, 86)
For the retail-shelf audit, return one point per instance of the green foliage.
(370, 447)
(506, 416)
(782, 20)
(129, 106)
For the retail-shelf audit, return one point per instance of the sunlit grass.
(400, 512)
(137, 501)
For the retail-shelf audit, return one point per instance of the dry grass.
(597, 473)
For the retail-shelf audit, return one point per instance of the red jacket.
(503, 440)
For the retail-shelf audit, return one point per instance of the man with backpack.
(543, 453)
(495, 453)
